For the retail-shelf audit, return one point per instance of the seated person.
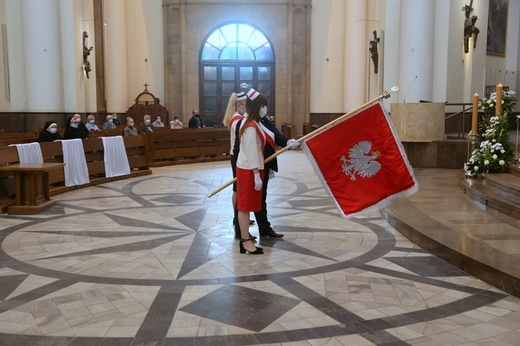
(146, 126)
(91, 123)
(49, 132)
(176, 123)
(130, 130)
(196, 121)
(158, 122)
(109, 124)
(75, 128)
(114, 117)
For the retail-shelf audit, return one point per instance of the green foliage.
(495, 151)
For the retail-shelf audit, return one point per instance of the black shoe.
(251, 222)
(252, 237)
(258, 250)
(270, 233)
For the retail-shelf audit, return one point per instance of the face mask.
(92, 121)
(242, 112)
(110, 120)
(115, 117)
(147, 121)
(263, 111)
(131, 124)
(176, 120)
(53, 130)
(158, 120)
(75, 125)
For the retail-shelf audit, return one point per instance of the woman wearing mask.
(253, 137)
(75, 128)
(109, 124)
(158, 122)
(176, 123)
(91, 123)
(235, 111)
(130, 130)
(49, 132)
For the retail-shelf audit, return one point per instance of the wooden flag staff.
(384, 95)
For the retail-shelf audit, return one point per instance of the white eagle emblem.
(360, 162)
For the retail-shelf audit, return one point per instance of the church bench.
(188, 146)
(7, 139)
(8, 155)
(52, 153)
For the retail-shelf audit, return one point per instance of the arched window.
(232, 54)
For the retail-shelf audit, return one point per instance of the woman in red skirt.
(250, 167)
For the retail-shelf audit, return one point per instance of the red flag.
(361, 162)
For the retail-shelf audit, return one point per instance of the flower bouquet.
(495, 150)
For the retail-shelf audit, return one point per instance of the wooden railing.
(460, 121)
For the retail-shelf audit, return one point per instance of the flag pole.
(384, 95)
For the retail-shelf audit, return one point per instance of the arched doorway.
(232, 54)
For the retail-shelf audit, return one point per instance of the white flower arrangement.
(494, 151)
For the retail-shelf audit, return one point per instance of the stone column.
(416, 50)
(42, 52)
(355, 55)
(116, 72)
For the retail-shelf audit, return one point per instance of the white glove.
(271, 174)
(292, 144)
(258, 182)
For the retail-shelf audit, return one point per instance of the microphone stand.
(410, 88)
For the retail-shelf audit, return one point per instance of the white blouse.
(251, 154)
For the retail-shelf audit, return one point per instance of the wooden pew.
(52, 153)
(7, 139)
(8, 155)
(289, 130)
(188, 146)
(136, 151)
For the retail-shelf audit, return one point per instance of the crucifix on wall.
(374, 53)
(469, 27)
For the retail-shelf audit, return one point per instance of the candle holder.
(517, 158)
(473, 143)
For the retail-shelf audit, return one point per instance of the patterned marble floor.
(153, 261)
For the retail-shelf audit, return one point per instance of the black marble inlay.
(160, 315)
(9, 284)
(177, 199)
(427, 266)
(242, 307)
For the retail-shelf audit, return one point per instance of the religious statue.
(469, 27)
(86, 53)
(374, 54)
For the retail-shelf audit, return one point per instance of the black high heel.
(258, 250)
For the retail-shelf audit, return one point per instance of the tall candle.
(474, 119)
(498, 108)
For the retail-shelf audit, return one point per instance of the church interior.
(120, 239)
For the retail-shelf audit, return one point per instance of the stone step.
(498, 191)
(514, 169)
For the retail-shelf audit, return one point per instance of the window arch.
(234, 53)
(237, 41)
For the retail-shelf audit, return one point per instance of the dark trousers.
(261, 216)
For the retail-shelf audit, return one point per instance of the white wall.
(327, 64)
(4, 97)
(145, 41)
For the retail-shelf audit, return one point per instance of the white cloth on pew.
(29, 152)
(116, 161)
(76, 171)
